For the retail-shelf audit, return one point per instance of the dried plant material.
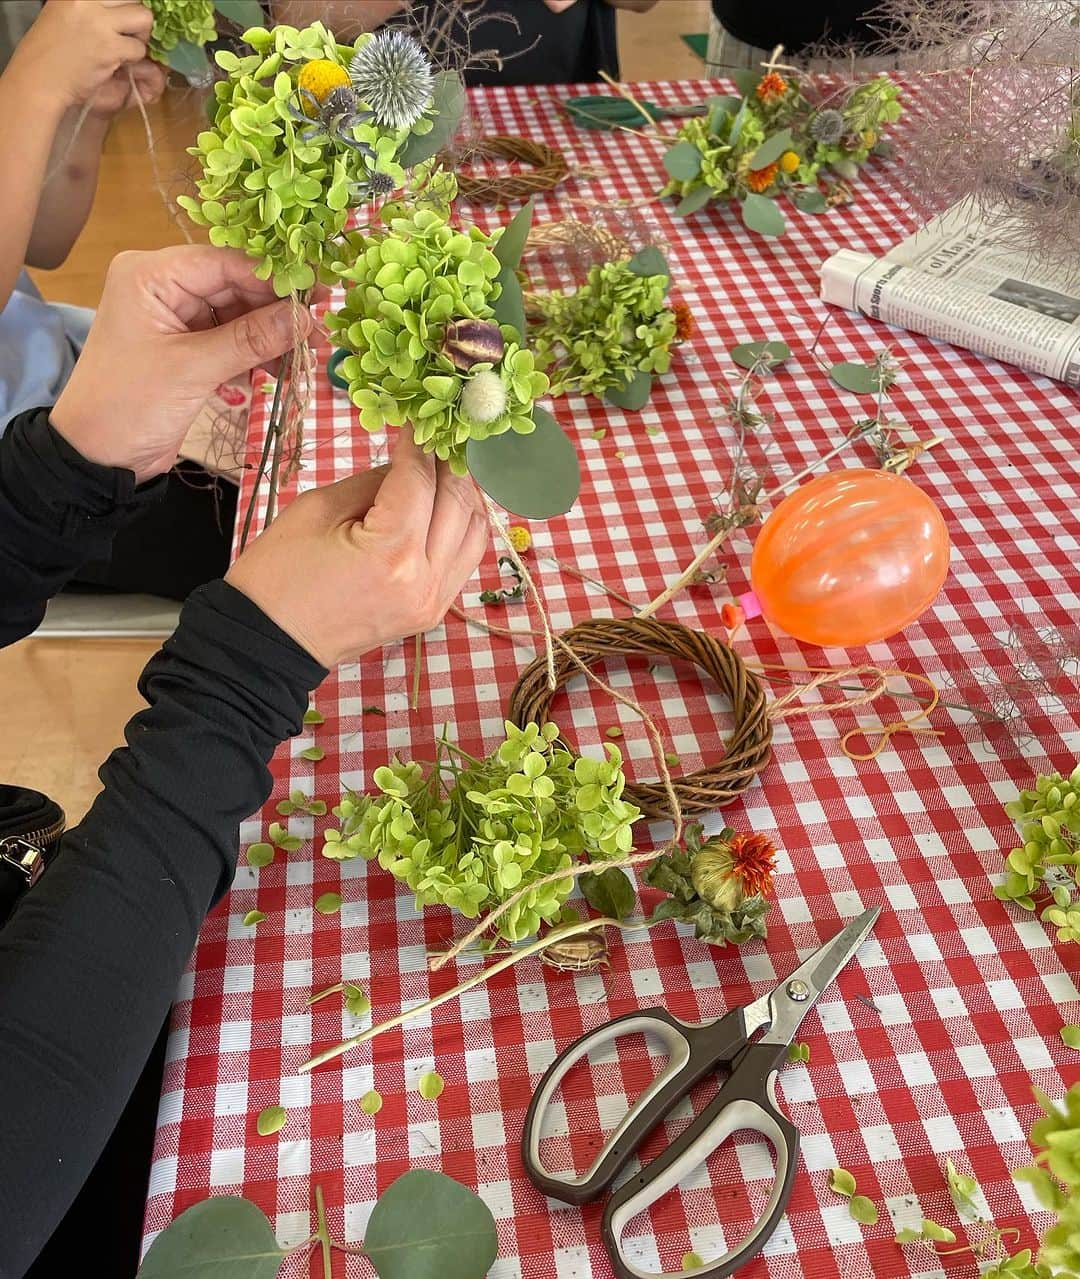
(995, 89)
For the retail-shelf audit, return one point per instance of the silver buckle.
(24, 857)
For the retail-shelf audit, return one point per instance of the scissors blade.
(796, 995)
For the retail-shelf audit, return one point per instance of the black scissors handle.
(747, 1100)
(693, 1053)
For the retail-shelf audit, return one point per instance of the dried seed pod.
(577, 954)
(470, 342)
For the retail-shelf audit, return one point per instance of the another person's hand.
(171, 326)
(372, 559)
(75, 46)
(115, 94)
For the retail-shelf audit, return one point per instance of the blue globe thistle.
(392, 75)
(827, 126)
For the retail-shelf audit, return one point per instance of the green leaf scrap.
(962, 1188)
(610, 892)
(431, 1086)
(798, 1052)
(371, 1102)
(328, 903)
(1070, 1036)
(223, 1237)
(863, 1210)
(427, 1226)
(259, 855)
(747, 354)
(859, 379)
(842, 1182)
(271, 1120)
(312, 716)
(691, 1261)
(252, 918)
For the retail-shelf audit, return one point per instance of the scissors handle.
(747, 1100)
(693, 1052)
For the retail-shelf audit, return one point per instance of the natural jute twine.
(746, 751)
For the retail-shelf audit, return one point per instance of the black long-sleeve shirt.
(91, 957)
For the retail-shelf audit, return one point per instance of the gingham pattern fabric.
(968, 994)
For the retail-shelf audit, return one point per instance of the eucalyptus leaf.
(746, 80)
(746, 354)
(737, 123)
(509, 306)
(762, 215)
(610, 892)
(427, 1226)
(771, 149)
(693, 201)
(860, 379)
(223, 1237)
(243, 13)
(720, 105)
(634, 395)
(683, 161)
(190, 61)
(811, 202)
(511, 243)
(448, 96)
(649, 261)
(535, 476)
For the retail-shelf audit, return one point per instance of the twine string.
(151, 151)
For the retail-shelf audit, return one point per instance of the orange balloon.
(850, 558)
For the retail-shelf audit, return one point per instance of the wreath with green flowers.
(772, 142)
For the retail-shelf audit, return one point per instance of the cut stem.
(322, 1233)
(418, 653)
(275, 408)
(558, 934)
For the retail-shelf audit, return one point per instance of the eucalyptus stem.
(322, 1233)
(558, 934)
(267, 442)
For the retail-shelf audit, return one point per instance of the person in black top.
(91, 956)
(545, 41)
(743, 33)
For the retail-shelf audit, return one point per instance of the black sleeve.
(91, 957)
(57, 512)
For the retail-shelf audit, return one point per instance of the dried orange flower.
(771, 87)
(520, 538)
(762, 179)
(753, 859)
(684, 321)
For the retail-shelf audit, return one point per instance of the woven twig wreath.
(747, 750)
(548, 168)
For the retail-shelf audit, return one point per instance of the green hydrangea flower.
(275, 182)
(407, 286)
(179, 20)
(596, 337)
(470, 833)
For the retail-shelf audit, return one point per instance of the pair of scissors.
(747, 1099)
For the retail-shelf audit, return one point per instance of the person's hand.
(75, 46)
(149, 79)
(557, 6)
(359, 564)
(171, 326)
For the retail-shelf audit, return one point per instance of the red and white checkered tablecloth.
(970, 993)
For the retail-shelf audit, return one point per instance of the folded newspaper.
(955, 280)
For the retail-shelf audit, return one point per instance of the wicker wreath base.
(746, 752)
(546, 168)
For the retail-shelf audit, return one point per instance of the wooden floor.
(66, 701)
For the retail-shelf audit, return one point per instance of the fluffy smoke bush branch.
(994, 91)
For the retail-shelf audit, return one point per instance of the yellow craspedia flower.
(869, 137)
(320, 78)
(789, 161)
(520, 538)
